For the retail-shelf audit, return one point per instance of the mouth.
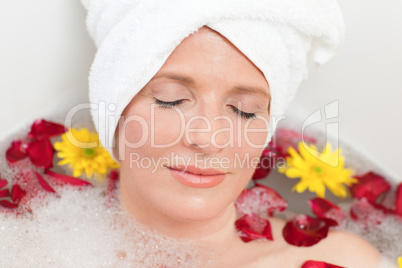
(197, 177)
(197, 171)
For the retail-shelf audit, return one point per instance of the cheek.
(245, 161)
(255, 133)
(149, 127)
(245, 156)
(249, 144)
(167, 126)
(133, 132)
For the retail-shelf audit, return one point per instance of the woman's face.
(207, 107)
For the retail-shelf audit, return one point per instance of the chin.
(166, 197)
(196, 204)
(197, 210)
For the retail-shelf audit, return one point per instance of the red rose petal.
(16, 152)
(271, 199)
(398, 201)
(114, 175)
(366, 213)
(8, 204)
(4, 193)
(44, 184)
(40, 153)
(260, 200)
(278, 149)
(370, 186)
(252, 227)
(17, 193)
(265, 165)
(285, 138)
(325, 209)
(3, 183)
(112, 185)
(319, 264)
(46, 129)
(305, 231)
(67, 179)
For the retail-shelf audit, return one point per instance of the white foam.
(77, 228)
(386, 236)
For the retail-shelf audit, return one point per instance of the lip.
(197, 177)
(198, 171)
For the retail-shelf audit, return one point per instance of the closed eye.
(243, 114)
(170, 104)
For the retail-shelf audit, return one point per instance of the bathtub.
(76, 227)
(49, 76)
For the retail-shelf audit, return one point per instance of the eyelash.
(243, 114)
(171, 104)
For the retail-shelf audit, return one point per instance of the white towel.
(283, 38)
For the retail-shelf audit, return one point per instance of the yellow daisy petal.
(77, 172)
(83, 152)
(281, 169)
(318, 170)
(318, 187)
(300, 187)
(293, 173)
(309, 153)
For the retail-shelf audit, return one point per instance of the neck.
(218, 230)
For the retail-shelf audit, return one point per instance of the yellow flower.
(400, 262)
(83, 151)
(318, 170)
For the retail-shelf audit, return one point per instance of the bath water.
(80, 228)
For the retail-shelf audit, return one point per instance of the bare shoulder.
(339, 247)
(347, 249)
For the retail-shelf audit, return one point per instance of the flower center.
(318, 170)
(89, 152)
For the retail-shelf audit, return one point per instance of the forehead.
(179, 77)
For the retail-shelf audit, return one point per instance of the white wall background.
(45, 55)
(366, 78)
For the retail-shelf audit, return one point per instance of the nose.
(206, 131)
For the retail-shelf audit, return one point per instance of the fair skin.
(155, 198)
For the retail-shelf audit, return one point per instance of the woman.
(207, 212)
(192, 112)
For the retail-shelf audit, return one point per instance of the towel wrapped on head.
(283, 38)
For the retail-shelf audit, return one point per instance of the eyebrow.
(191, 81)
